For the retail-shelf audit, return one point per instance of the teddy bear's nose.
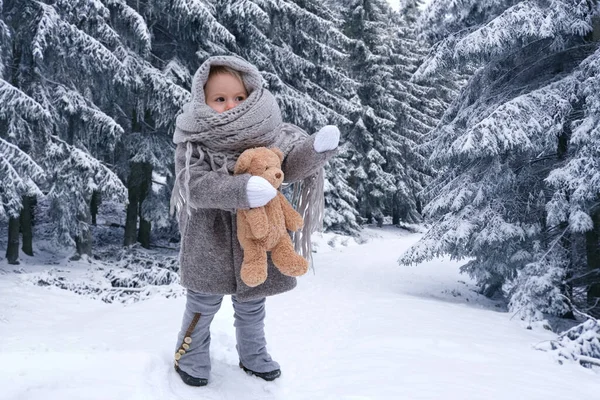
(278, 175)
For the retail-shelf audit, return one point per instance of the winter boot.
(190, 380)
(267, 376)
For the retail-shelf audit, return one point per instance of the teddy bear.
(264, 229)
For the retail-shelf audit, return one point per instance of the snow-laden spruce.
(517, 195)
(386, 165)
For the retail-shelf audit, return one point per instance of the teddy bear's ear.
(243, 162)
(278, 152)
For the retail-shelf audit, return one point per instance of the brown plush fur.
(265, 228)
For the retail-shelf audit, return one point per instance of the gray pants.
(249, 331)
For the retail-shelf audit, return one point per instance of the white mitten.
(259, 191)
(327, 138)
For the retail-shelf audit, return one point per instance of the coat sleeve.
(211, 189)
(302, 160)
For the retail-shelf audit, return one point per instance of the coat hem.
(249, 295)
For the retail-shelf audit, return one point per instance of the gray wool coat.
(210, 256)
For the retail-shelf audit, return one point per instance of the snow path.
(360, 328)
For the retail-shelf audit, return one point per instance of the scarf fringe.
(309, 201)
(178, 199)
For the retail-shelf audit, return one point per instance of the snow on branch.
(312, 22)
(136, 23)
(99, 127)
(201, 12)
(163, 96)
(14, 101)
(527, 124)
(91, 16)
(5, 36)
(52, 30)
(519, 25)
(79, 169)
(579, 344)
(245, 9)
(18, 176)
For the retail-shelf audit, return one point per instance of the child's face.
(224, 92)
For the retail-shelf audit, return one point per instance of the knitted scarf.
(220, 138)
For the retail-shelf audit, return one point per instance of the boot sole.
(190, 380)
(267, 376)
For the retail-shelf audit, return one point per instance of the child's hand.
(259, 191)
(327, 138)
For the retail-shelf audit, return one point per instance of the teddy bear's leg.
(287, 260)
(254, 266)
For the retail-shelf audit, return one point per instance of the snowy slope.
(361, 327)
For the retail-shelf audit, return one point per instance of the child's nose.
(229, 105)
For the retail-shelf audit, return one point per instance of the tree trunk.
(133, 189)
(26, 221)
(144, 233)
(596, 29)
(395, 211)
(565, 288)
(562, 150)
(12, 250)
(145, 225)
(96, 201)
(592, 242)
(395, 217)
(369, 217)
(83, 244)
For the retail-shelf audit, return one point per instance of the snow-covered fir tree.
(366, 22)
(388, 168)
(68, 72)
(505, 199)
(420, 105)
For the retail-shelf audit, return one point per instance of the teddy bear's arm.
(257, 221)
(293, 220)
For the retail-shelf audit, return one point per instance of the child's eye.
(240, 98)
(220, 99)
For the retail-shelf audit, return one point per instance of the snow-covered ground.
(361, 327)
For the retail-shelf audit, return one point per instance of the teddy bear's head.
(263, 162)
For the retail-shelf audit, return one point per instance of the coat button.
(185, 346)
(181, 351)
(188, 340)
(177, 356)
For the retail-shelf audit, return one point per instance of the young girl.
(230, 112)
